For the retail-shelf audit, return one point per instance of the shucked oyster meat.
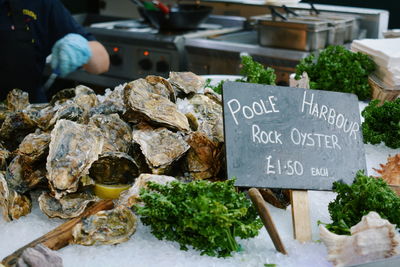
(68, 206)
(106, 227)
(114, 168)
(160, 146)
(153, 108)
(73, 149)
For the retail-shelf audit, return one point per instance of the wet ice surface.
(143, 249)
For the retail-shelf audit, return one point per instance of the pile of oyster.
(150, 128)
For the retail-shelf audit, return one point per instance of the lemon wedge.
(106, 191)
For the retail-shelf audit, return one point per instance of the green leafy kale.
(338, 69)
(382, 123)
(358, 199)
(202, 214)
(252, 71)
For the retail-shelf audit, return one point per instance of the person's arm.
(99, 62)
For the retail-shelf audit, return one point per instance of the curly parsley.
(382, 123)
(338, 69)
(205, 215)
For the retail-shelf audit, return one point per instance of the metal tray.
(300, 33)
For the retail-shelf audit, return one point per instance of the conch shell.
(371, 239)
(390, 172)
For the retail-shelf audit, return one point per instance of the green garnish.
(364, 195)
(382, 123)
(338, 69)
(205, 215)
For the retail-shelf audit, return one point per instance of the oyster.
(107, 108)
(17, 100)
(34, 147)
(117, 133)
(73, 149)
(105, 227)
(62, 96)
(23, 176)
(161, 86)
(390, 171)
(160, 147)
(114, 168)
(130, 197)
(14, 205)
(69, 206)
(186, 82)
(39, 256)
(154, 108)
(4, 155)
(14, 129)
(206, 114)
(371, 239)
(85, 98)
(203, 159)
(44, 116)
(69, 111)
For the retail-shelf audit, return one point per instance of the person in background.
(30, 30)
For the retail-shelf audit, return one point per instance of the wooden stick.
(266, 218)
(60, 236)
(300, 215)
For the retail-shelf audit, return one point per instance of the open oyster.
(130, 197)
(117, 133)
(160, 146)
(14, 205)
(114, 168)
(203, 159)
(372, 238)
(205, 115)
(68, 206)
(154, 108)
(105, 227)
(186, 82)
(73, 149)
(17, 100)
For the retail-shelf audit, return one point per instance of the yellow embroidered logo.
(29, 13)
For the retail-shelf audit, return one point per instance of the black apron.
(19, 63)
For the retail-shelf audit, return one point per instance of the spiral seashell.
(371, 239)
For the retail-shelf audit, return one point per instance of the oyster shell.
(114, 168)
(4, 155)
(22, 176)
(160, 146)
(107, 108)
(85, 98)
(130, 197)
(34, 147)
(186, 82)
(154, 108)
(14, 129)
(117, 133)
(390, 171)
(371, 239)
(14, 205)
(69, 206)
(73, 149)
(17, 100)
(161, 86)
(206, 115)
(105, 227)
(204, 157)
(68, 110)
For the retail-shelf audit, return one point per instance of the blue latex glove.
(69, 53)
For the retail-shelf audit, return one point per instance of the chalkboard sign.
(283, 137)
